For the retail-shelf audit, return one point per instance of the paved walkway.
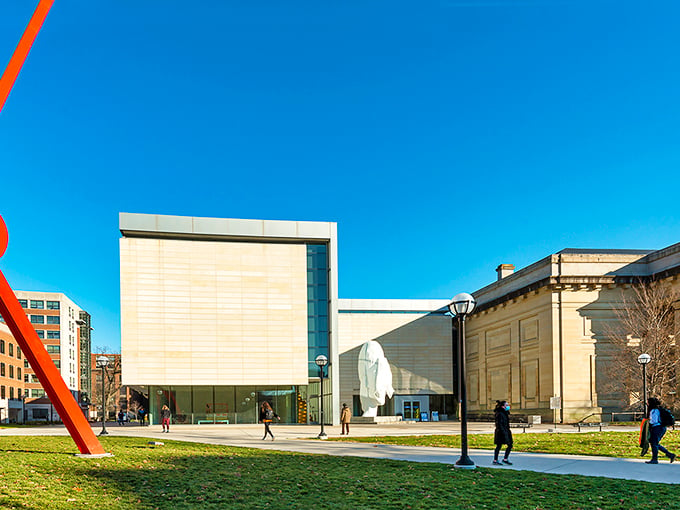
(300, 438)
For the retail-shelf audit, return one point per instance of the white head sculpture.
(375, 377)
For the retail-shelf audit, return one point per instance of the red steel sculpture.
(10, 309)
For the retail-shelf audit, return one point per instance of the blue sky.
(443, 137)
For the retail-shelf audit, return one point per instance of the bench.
(593, 424)
(213, 421)
(523, 426)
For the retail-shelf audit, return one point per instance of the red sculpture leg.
(43, 366)
(24, 46)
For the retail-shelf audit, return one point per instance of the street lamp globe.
(321, 361)
(462, 304)
(643, 359)
(102, 362)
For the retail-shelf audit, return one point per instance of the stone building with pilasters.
(542, 333)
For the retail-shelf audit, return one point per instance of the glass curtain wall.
(317, 304)
(227, 404)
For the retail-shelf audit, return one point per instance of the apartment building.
(12, 387)
(64, 329)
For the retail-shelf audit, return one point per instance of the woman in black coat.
(502, 435)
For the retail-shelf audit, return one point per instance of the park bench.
(523, 426)
(591, 424)
(200, 422)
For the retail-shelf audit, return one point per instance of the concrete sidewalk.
(300, 439)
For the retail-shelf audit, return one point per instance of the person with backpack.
(659, 419)
(267, 415)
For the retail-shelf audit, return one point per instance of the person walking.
(345, 417)
(165, 418)
(141, 414)
(656, 431)
(267, 415)
(121, 418)
(502, 434)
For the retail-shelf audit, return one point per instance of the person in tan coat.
(345, 417)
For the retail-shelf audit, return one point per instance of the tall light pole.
(102, 362)
(321, 361)
(643, 359)
(461, 306)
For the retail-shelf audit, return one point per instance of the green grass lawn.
(42, 473)
(609, 444)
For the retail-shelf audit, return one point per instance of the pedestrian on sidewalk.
(502, 435)
(267, 415)
(345, 417)
(656, 431)
(165, 418)
(121, 418)
(141, 414)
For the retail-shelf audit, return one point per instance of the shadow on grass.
(27, 450)
(223, 477)
(189, 475)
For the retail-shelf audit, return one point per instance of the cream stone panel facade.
(510, 354)
(417, 344)
(213, 313)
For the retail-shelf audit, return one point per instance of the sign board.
(424, 416)
(555, 402)
(435, 415)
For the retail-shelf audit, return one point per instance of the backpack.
(269, 414)
(667, 418)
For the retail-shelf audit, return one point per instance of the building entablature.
(571, 270)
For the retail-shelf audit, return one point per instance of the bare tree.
(645, 324)
(112, 383)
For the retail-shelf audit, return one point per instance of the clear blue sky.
(443, 137)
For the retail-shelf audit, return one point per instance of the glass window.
(37, 305)
(57, 363)
(2, 392)
(317, 307)
(11, 371)
(204, 405)
(18, 352)
(38, 393)
(317, 277)
(317, 339)
(37, 319)
(24, 304)
(53, 305)
(53, 349)
(19, 373)
(11, 349)
(54, 335)
(2, 347)
(2, 369)
(52, 319)
(11, 392)
(41, 333)
(25, 378)
(25, 363)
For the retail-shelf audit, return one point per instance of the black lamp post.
(462, 305)
(321, 361)
(643, 359)
(102, 362)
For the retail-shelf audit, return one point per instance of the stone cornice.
(578, 282)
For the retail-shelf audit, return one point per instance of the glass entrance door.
(411, 409)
